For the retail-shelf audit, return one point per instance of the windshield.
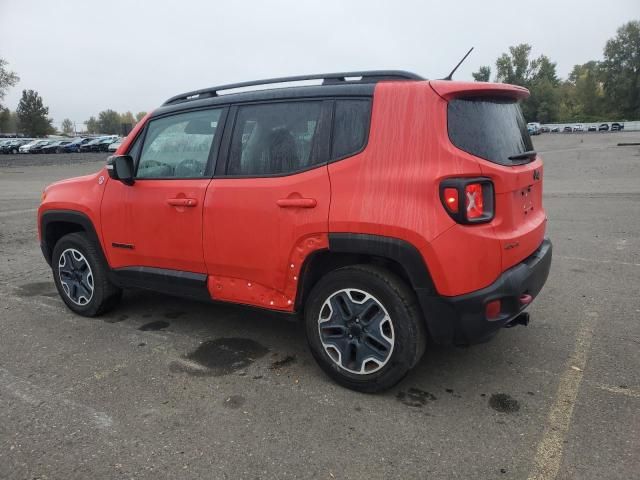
(489, 128)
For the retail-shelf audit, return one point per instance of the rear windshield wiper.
(523, 155)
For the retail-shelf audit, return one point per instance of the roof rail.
(370, 76)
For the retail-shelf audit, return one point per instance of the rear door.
(493, 129)
(268, 205)
(157, 222)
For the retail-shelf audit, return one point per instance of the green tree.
(8, 121)
(483, 74)
(140, 115)
(92, 125)
(538, 75)
(7, 79)
(127, 119)
(67, 127)
(32, 115)
(584, 93)
(621, 71)
(109, 121)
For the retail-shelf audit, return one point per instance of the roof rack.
(370, 76)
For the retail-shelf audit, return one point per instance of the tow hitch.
(522, 319)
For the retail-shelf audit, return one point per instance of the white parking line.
(550, 448)
(36, 396)
(596, 260)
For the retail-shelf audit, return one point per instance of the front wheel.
(364, 327)
(80, 276)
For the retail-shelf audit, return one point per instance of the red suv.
(386, 208)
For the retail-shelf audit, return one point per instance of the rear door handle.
(182, 202)
(297, 202)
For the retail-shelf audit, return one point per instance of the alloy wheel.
(356, 331)
(75, 276)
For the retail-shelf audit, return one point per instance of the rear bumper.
(462, 319)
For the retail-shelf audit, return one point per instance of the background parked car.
(55, 147)
(592, 128)
(115, 145)
(555, 129)
(103, 145)
(14, 145)
(616, 127)
(92, 145)
(26, 148)
(74, 145)
(37, 148)
(567, 129)
(578, 127)
(604, 127)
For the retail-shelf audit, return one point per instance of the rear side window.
(350, 127)
(178, 146)
(489, 128)
(276, 138)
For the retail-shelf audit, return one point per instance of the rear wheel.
(81, 276)
(364, 327)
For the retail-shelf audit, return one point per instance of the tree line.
(607, 89)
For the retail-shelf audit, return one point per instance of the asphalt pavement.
(169, 388)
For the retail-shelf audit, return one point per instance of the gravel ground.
(169, 388)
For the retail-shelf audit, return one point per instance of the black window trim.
(365, 143)
(214, 150)
(322, 138)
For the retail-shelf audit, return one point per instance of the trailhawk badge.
(536, 174)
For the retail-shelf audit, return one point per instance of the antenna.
(450, 76)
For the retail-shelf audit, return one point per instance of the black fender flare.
(50, 217)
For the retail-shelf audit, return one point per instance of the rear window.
(489, 128)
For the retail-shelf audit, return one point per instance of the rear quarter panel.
(391, 188)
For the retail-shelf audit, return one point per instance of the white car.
(578, 127)
(114, 146)
(28, 146)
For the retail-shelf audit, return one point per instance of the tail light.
(468, 200)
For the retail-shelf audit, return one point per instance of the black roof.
(333, 84)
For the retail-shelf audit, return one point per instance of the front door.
(157, 222)
(269, 206)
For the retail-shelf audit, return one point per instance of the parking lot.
(174, 388)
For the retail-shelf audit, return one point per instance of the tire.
(14, 151)
(86, 291)
(376, 315)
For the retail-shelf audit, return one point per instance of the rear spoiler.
(448, 90)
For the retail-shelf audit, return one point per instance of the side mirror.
(120, 167)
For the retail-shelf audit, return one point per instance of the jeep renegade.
(388, 210)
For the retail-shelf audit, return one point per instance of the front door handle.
(297, 202)
(182, 202)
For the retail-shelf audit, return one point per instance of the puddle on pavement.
(153, 326)
(221, 356)
(414, 397)
(42, 289)
(503, 403)
(285, 362)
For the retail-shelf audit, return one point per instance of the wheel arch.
(396, 255)
(54, 224)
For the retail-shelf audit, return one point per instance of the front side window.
(277, 138)
(178, 146)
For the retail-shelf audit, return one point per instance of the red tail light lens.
(468, 200)
(473, 200)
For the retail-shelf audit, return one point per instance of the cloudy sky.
(84, 56)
